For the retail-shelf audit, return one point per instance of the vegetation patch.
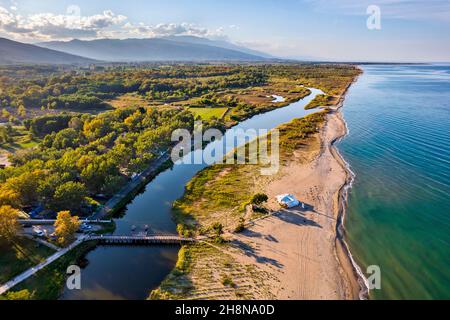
(15, 138)
(208, 113)
(211, 272)
(129, 100)
(321, 100)
(48, 283)
(22, 255)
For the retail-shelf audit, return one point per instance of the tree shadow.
(249, 251)
(270, 238)
(310, 207)
(297, 217)
(251, 234)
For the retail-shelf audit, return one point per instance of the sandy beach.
(308, 262)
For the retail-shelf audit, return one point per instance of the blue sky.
(325, 29)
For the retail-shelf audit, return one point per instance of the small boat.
(133, 228)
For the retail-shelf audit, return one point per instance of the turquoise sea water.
(399, 207)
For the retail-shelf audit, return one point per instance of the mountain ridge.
(152, 49)
(14, 52)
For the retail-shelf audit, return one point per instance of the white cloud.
(172, 29)
(56, 26)
(50, 26)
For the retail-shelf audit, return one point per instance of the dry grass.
(129, 100)
(212, 273)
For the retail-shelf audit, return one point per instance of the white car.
(85, 227)
(38, 232)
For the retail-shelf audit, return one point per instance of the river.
(132, 272)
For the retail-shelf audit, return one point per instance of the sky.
(338, 30)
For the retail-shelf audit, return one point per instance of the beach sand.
(299, 247)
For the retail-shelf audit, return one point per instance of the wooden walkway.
(141, 240)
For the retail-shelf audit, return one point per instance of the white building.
(287, 200)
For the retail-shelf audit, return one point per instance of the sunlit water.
(399, 208)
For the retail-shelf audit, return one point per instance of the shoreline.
(352, 269)
(348, 281)
(298, 251)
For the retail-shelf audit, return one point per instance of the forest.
(79, 146)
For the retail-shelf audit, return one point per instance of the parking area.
(46, 231)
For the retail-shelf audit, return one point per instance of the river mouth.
(132, 272)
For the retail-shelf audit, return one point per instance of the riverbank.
(292, 254)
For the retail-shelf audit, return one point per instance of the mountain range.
(155, 49)
(13, 52)
(171, 48)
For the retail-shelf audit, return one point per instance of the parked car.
(38, 232)
(84, 227)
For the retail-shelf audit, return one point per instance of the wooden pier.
(140, 240)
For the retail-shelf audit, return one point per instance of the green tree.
(259, 198)
(19, 295)
(65, 227)
(26, 185)
(218, 230)
(5, 136)
(21, 111)
(9, 196)
(69, 196)
(9, 224)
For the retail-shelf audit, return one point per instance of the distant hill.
(13, 52)
(220, 44)
(153, 49)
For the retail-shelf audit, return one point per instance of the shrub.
(259, 198)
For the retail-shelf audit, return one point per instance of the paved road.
(131, 186)
(25, 275)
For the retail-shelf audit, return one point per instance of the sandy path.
(298, 246)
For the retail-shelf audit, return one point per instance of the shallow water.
(399, 148)
(132, 272)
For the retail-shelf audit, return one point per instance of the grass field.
(21, 140)
(128, 100)
(48, 283)
(208, 113)
(16, 259)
